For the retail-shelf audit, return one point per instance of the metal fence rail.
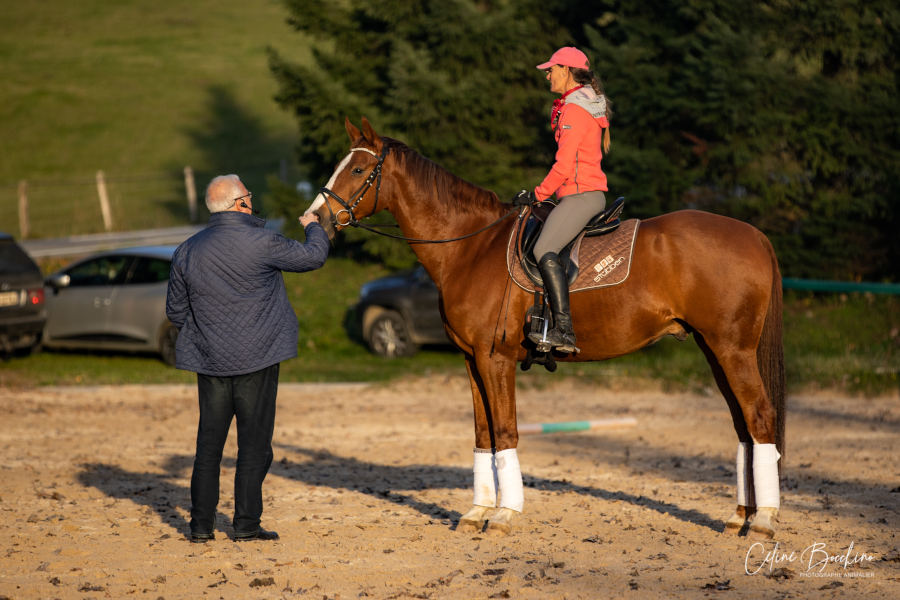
(818, 285)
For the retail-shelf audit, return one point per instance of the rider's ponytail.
(587, 77)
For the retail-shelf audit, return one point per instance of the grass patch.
(139, 91)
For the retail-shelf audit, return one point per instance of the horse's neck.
(437, 218)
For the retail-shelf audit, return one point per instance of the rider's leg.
(567, 220)
(556, 286)
(563, 224)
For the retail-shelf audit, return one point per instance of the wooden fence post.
(191, 189)
(23, 210)
(104, 201)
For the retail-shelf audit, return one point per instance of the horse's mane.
(430, 178)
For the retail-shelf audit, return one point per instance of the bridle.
(348, 206)
(374, 178)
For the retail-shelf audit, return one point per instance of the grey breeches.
(567, 220)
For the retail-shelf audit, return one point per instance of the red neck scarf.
(557, 106)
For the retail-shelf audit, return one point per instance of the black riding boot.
(556, 289)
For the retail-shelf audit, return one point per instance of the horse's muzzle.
(326, 221)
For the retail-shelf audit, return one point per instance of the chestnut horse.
(692, 273)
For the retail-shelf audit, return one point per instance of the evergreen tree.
(782, 113)
(454, 79)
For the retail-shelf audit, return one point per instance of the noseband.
(348, 205)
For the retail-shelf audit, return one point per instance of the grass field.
(138, 90)
(850, 343)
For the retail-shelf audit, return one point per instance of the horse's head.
(352, 192)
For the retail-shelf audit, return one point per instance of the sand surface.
(369, 481)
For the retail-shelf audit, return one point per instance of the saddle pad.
(603, 260)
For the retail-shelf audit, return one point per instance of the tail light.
(35, 297)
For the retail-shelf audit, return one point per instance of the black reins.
(375, 178)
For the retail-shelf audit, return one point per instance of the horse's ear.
(368, 132)
(352, 131)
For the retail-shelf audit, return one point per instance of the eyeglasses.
(248, 195)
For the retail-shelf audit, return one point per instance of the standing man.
(235, 325)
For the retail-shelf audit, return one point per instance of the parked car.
(399, 313)
(22, 307)
(113, 300)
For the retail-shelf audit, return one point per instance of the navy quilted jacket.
(227, 297)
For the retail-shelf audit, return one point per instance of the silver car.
(113, 300)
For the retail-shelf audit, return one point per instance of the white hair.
(222, 192)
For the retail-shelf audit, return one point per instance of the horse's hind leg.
(756, 463)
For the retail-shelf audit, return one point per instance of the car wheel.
(389, 336)
(167, 344)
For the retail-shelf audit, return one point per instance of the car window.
(149, 270)
(106, 270)
(13, 259)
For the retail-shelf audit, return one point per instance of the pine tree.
(782, 113)
(454, 79)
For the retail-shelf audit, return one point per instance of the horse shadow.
(326, 469)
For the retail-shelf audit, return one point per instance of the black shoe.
(202, 538)
(259, 534)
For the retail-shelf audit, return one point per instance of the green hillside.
(138, 90)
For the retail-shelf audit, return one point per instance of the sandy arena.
(369, 481)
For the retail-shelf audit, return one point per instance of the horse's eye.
(357, 171)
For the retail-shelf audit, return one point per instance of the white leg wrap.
(509, 476)
(743, 471)
(765, 475)
(485, 478)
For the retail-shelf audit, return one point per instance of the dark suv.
(398, 313)
(22, 311)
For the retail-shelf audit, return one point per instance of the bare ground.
(369, 482)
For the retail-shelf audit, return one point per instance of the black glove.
(524, 198)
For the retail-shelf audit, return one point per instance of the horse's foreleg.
(499, 373)
(485, 498)
(484, 470)
(493, 471)
(512, 492)
(496, 470)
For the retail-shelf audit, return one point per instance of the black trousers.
(251, 399)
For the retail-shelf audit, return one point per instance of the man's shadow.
(158, 491)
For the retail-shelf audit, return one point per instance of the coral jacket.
(579, 134)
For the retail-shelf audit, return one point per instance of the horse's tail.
(770, 353)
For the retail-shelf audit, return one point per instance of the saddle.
(603, 223)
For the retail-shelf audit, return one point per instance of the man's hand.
(308, 218)
(524, 198)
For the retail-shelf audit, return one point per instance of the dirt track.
(368, 483)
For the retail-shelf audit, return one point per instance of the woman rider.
(580, 122)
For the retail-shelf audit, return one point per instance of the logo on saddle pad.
(606, 266)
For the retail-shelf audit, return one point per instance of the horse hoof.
(500, 523)
(472, 521)
(467, 526)
(738, 521)
(763, 525)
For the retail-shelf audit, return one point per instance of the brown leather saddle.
(530, 230)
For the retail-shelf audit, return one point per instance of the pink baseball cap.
(568, 56)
